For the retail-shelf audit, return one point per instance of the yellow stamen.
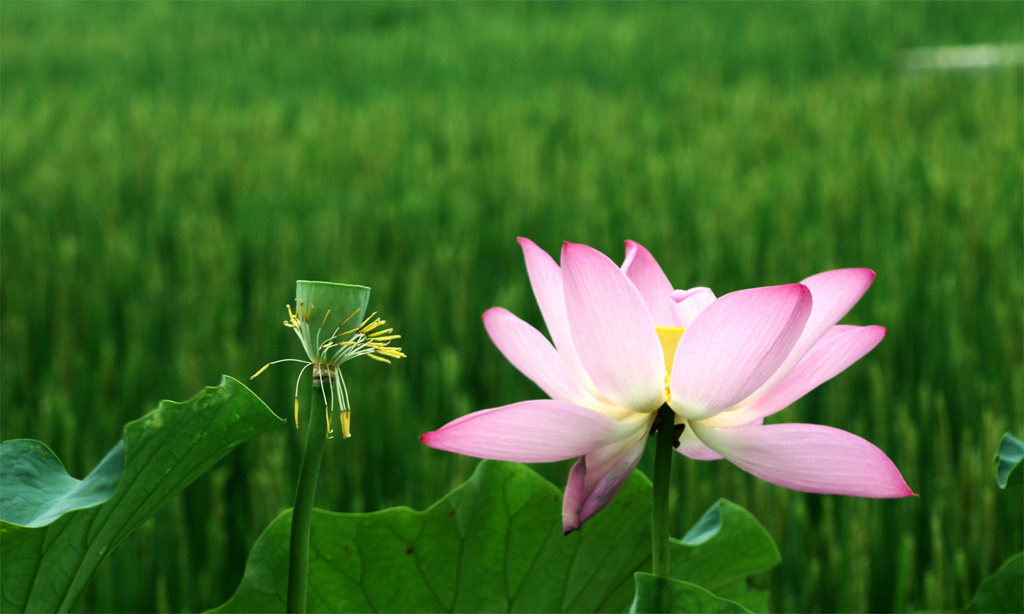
(327, 414)
(326, 315)
(367, 320)
(296, 412)
(348, 318)
(254, 375)
(380, 358)
(346, 423)
(380, 332)
(372, 326)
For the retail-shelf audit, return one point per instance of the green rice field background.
(169, 169)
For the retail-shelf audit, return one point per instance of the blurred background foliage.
(169, 169)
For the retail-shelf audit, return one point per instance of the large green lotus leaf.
(1003, 591)
(55, 530)
(493, 544)
(658, 594)
(1008, 458)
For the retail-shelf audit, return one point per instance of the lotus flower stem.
(662, 473)
(302, 511)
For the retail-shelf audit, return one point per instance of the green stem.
(302, 511)
(662, 471)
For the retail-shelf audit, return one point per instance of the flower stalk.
(302, 510)
(660, 561)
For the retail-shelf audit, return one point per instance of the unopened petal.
(612, 330)
(809, 458)
(654, 287)
(541, 431)
(734, 346)
(530, 352)
(688, 304)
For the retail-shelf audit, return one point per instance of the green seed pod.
(342, 300)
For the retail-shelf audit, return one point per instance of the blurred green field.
(170, 169)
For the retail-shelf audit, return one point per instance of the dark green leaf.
(55, 530)
(493, 544)
(657, 594)
(726, 546)
(1003, 591)
(753, 600)
(1008, 458)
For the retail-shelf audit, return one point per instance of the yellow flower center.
(669, 337)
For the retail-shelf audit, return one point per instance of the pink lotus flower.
(626, 342)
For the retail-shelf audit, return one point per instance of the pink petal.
(734, 345)
(838, 349)
(598, 477)
(546, 280)
(809, 458)
(531, 353)
(612, 330)
(572, 502)
(834, 293)
(541, 431)
(654, 287)
(694, 448)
